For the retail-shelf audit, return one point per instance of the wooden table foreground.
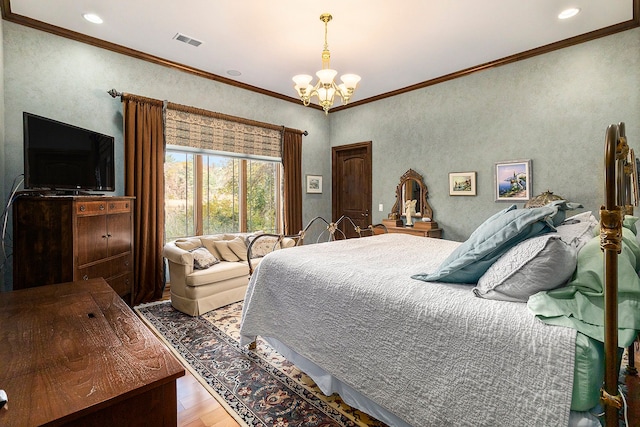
(75, 354)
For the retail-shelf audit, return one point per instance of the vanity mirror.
(411, 187)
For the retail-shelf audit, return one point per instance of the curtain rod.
(114, 94)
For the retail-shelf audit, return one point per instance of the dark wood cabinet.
(68, 238)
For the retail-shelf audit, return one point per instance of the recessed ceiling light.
(234, 73)
(92, 17)
(569, 13)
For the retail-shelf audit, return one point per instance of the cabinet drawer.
(91, 208)
(122, 284)
(119, 206)
(106, 269)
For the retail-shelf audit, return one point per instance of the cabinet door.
(92, 239)
(119, 231)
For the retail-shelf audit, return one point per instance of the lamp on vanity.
(542, 199)
(326, 89)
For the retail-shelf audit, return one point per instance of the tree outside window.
(208, 194)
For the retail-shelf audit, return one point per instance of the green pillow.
(630, 223)
(489, 241)
(580, 304)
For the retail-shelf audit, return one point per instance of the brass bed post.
(611, 215)
(630, 177)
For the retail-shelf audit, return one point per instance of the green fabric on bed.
(588, 373)
(629, 222)
(580, 304)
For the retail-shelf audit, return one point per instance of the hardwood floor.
(197, 408)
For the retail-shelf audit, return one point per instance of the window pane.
(220, 184)
(262, 188)
(220, 210)
(179, 195)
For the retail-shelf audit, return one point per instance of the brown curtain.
(292, 164)
(144, 179)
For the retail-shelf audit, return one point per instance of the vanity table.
(412, 187)
(435, 233)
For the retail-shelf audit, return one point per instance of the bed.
(394, 325)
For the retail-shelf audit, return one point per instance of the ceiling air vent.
(187, 39)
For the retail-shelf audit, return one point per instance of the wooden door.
(351, 185)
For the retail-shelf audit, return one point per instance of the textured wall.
(552, 108)
(66, 80)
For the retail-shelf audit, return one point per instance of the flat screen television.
(59, 156)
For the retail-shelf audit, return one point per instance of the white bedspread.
(433, 354)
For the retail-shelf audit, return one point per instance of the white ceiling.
(391, 45)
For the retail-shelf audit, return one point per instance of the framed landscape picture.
(513, 180)
(314, 183)
(462, 183)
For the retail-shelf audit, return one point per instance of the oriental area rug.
(257, 387)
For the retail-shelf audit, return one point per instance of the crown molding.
(43, 26)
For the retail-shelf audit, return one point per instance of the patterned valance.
(202, 129)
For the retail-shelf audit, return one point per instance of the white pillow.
(578, 229)
(222, 246)
(207, 242)
(581, 217)
(537, 264)
(188, 244)
(238, 247)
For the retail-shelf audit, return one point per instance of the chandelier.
(326, 89)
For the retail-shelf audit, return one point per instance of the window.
(211, 193)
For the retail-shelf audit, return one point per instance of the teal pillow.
(489, 241)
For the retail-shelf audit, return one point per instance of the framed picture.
(513, 180)
(462, 183)
(314, 183)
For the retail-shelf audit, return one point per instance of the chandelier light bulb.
(350, 80)
(326, 76)
(302, 79)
